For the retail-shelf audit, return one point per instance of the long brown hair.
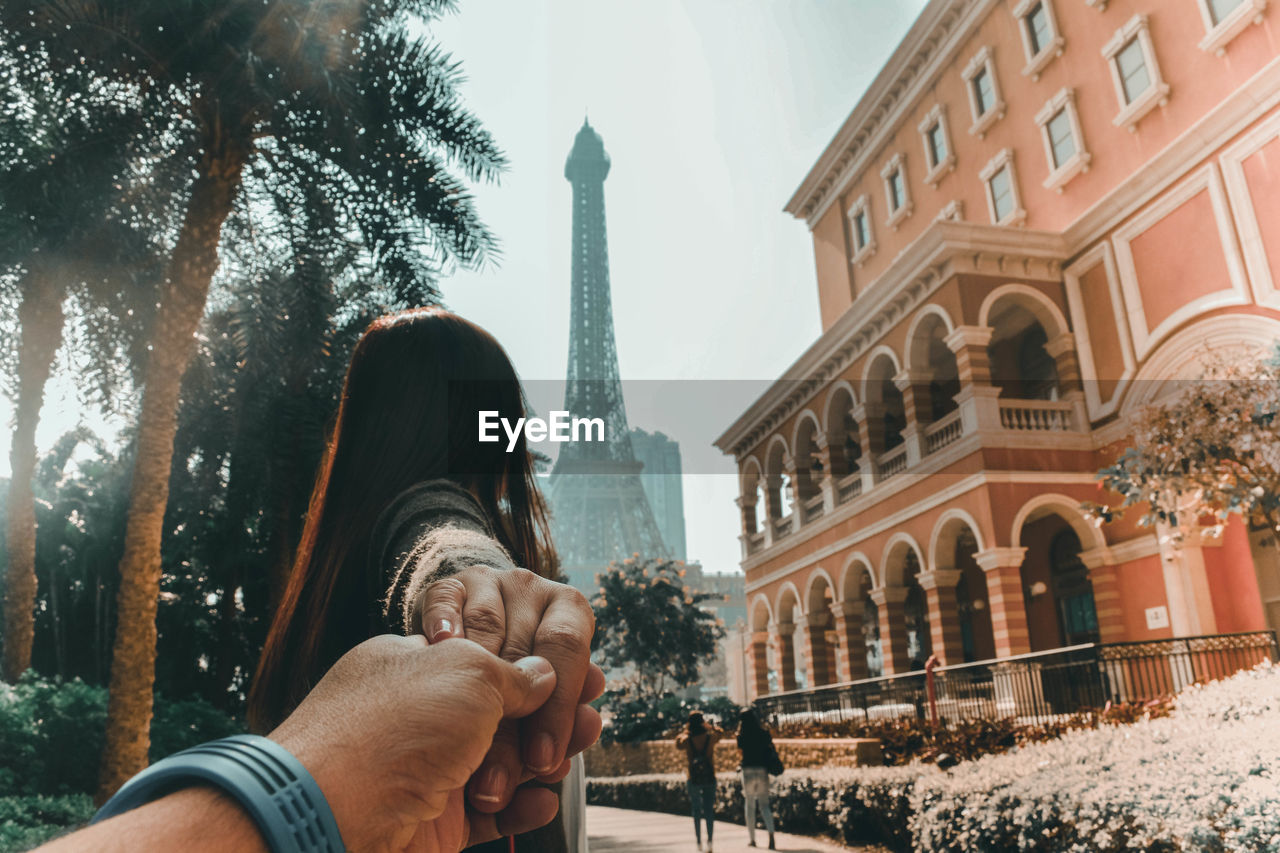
(409, 413)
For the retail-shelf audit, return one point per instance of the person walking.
(758, 754)
(698, 740)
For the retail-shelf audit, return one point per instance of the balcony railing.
(755, 542)
(848, 488)
(892, 462)
(813, 508)
(942, 432)
(1036, 687)
(1037, 415)
(781, 527)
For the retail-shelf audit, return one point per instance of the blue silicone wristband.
(270, 784)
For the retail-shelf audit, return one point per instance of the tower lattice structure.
(599, 508)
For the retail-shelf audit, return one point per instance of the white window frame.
(1060, 174)
(1003, 159)
(863, 253)
(983, 59)
(1157, 94)
(953, 211)
(1237, 21)
(937, 171)
(1036, 62)
(896, 165)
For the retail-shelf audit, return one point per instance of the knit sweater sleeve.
(430, 531)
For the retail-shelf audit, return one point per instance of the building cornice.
(931, 42)
(945, 249)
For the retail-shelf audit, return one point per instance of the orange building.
(1038, 211)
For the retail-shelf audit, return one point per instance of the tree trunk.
(182, 303)
(40, 317)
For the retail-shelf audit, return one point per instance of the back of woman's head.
(749, 724)
(697, 725)
(409, 413)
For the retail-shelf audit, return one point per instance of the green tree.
(300, 99)
(651, 623)
(1209, 447)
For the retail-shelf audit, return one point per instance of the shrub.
(1204, 778)
(26, 822)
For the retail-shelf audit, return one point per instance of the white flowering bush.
(1204, 779)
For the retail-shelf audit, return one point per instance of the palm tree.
(59, 139)
(308, 96)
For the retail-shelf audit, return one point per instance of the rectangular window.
(1219, 9)
(897, 193)
(937, 144)
(1061, 140)
(1001, 184)
(1134, 76)
(1039, 33)
(984, 94)
(861, 236)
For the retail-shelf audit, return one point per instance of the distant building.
(730, 607)
(662, 481)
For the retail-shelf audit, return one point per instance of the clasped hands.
(514, 614)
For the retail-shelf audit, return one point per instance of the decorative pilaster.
(760, 661)
(826, 482)
(916, 410)
(1003, 567)
(944, 619)
(978, 398)
(1070, 382)
(893, 628)
(1105, 578)
(819, 657)
(866, 462)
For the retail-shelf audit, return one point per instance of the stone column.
(893, 628)
(944, 619)
(760, 661)
(1070, 381)
(747, 513)
(866, 462)
(917, 408)
(1105, 579)
(849, 631)
(1003, 568)
(978, 398)
(826, 482)
(784, 633)
(819, 654)
(793, 501)
(772, 506)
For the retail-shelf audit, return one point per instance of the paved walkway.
(610, 829)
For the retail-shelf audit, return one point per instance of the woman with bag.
(759, 762)
(698, 740)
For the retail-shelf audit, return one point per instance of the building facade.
(1038, 212)
(663, 479)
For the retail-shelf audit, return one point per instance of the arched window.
(871, 635)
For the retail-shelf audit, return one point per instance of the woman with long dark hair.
(757, 754)
(416, 526)
(698, 741)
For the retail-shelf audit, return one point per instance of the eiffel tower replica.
(600, 512)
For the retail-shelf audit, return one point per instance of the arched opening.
(791, 667)
(763, 658)
(886, 412)
(972, 607)
(1056, 585)
(844, 445)
(777, 485)
(871, 636)
(1021, 366)
(752, 501)
(915, 614)
(931, 357)
(823, 642)
(809, 467)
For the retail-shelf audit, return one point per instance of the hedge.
(1206, 779)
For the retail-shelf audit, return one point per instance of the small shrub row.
(1205, 778)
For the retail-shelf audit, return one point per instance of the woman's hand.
(515, 613)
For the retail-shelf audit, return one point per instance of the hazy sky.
(712, 111)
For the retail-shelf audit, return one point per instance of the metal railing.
(1033, 688)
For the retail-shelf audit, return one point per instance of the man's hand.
(396, 728)
(514, 614)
